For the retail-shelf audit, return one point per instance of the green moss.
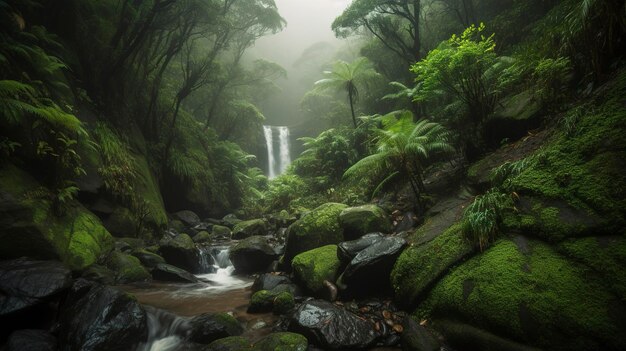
(147, 189)
(314, 266)
(127, 268)
(249, 228)
(283, 303)
(540, 299)
(283, 341)
(606, 256)
(231, 343)
(317, 228)
(418, 267)
(585, 168)
(361, 220)
(261, 301)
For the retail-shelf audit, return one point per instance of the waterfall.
(284, 156)
(269, 142)
(165, 330)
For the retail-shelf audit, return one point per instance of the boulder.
(231, 343)
(417, 338)
(249, 228)
(188, 218)
(25, 283)
(407, 221)
(317, 228)
(169, 273)
(369, 270)
(183, 253)
(283, 341)
(209, 327)
(147, 258)
(31, 340)
(312, 268)
(28, 226)
(283, 303)
(347, 250)
(261, 301)
(97, 317)
(127, 268)
(252, 254)
(524, 290)
(204, 237)
(221, 231)
(420, 266)
(361, 220)
(268, 281)
(99, 274)
(230, 220)
(330, 327)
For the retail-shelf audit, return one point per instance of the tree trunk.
(351, 98)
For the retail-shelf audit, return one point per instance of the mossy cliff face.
(555, 279)
(317, 228)
(526, 291)
(29, 228)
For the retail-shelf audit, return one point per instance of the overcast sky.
(308, 23)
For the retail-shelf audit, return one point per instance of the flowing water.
(284, 154)
(269, 143)
(170, 305)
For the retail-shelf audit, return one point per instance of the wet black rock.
(182, 252)
(25, 283)
(169, 273)
(252, 254)
(31, 340)
(268, 281)
(369, 270)
(97, 317)
(189, 218)
(209, 327)
(147, 258)
(347, 250)
(330, 327)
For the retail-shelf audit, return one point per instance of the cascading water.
(284, 156)
(166, 330)
(269, 143)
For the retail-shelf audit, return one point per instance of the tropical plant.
(482, 220)
(403, 150)
(349, 77)
(466, 68)
(329, 154)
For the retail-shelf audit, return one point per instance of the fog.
(301, 48)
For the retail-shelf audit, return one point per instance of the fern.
(482, 219)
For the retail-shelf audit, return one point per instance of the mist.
(301, 48)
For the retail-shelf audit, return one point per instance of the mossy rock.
(147, 189)
(283, 341)
(231, 343)
(249, 228)
(147, 258)
(361, 220)
(605, 255)
(261, 301)
(317, 228)
(312, 267)
(418, 267)
(100, 274)
(177, 225)
(525, 291)
(204, 237)
(121, 223)
(551, 220)
(283, 303)
(127, 268)
(221, 231)
(28, 226)
(209, 327)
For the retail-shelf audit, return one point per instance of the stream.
(171, 305)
